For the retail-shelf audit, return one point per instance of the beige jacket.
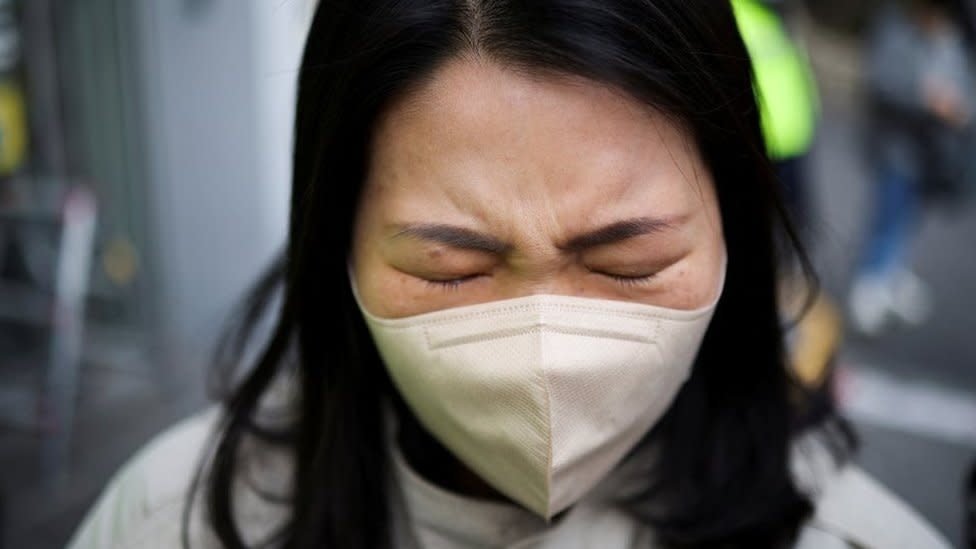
(141, 506)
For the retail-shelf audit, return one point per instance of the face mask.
(541, 395)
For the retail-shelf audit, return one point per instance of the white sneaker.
(911, 299)
(869, 305)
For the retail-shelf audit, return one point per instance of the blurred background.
(144, 179)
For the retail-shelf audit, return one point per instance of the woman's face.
(484, 185)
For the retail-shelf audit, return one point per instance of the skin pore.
(485, 184)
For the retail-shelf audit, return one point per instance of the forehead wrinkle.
(626, 171)
(629, 161)
(463, 195)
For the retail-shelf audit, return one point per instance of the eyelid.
(449, 283)
(626, 280)
(645, 271)
(637, 272)
(625, 277)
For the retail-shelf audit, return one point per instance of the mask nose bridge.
(541, 319)
(485, 327)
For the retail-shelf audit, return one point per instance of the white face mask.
(541, 395)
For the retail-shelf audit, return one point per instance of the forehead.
(467, 89)
(478, 132)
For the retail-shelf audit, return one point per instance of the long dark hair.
(723, 471)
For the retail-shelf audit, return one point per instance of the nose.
(550, 283)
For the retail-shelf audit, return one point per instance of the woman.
(528, 300)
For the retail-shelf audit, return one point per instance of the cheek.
(710, 277)
(709, 273)
(707, 281)
(373, 281)
(370, 284)
(695, 281)
(388, 293)
(359, 247)
(686, 285)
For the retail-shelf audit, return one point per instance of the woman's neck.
(431, 460)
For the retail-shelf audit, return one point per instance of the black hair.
(723, 471)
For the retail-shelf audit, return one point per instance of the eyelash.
(630, 280)
(452, 284)
(455, 283)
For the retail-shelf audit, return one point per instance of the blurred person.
(528, 299)
(920, 83)
(786, 92)
(787, 97)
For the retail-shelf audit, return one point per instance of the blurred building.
(175, 117)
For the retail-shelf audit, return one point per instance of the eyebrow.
(467, 239)
(456, 237)
(618, 231)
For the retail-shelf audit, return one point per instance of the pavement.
(911, 392)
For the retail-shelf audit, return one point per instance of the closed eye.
(629, 280)
(624, 280)
(451, 283)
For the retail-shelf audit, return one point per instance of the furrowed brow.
(456, 237)
(619, 231)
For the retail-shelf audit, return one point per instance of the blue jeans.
(896, 210)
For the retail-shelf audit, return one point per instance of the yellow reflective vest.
(783, 81)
